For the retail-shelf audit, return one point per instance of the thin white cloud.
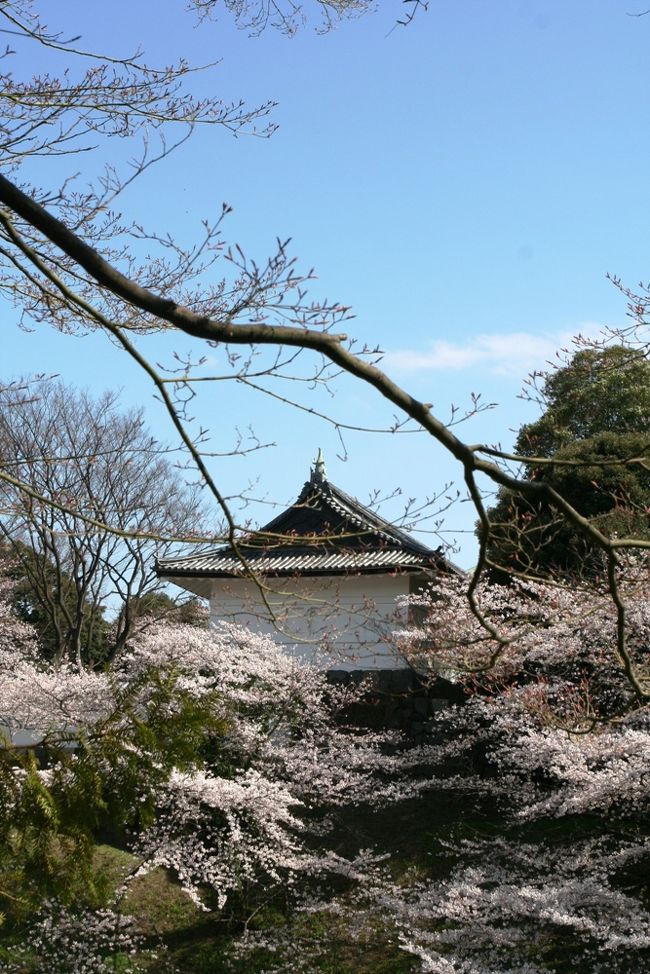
(502, 353)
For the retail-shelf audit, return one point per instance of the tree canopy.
(88, 500)
(600, 390)
(590, 446)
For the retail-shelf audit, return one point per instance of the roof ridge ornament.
(318, 471)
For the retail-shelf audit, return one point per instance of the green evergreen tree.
(596, 429)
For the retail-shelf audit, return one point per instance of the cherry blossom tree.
(545, 868)
(219, 756)
(211, 752)
(558, 748)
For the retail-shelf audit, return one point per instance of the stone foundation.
(398, 700)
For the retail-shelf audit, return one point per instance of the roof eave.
(306, 572)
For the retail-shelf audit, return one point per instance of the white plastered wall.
(339, 623)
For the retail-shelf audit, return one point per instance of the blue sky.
(464, 184)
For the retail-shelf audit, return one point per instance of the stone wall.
(398, 700)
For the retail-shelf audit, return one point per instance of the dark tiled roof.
(325, 532)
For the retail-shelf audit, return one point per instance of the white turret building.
(324, 577)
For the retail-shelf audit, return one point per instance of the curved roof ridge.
(378, 523)
(313, 537)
